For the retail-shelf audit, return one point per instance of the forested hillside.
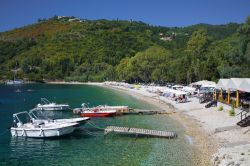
(83, 50)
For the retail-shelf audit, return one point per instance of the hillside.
(83, 50)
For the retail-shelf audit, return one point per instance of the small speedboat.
(18, 91)
(49, 106)
(24, 126)
(97, 113)
(14, 82)
(38, 115)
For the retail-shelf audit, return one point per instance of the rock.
(231, 163)
(242, 159)
(216, 158)
(224, 156)
(242, 153)
(237, 164)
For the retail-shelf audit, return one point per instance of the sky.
(17, 13)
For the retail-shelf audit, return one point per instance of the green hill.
(83, 50)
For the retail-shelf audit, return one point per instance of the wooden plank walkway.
(146, 112)
(138, 131)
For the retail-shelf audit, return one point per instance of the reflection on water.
(27, 150)
(32, 147)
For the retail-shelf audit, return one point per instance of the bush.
(234, 103)
(220, 108)
(232, 112)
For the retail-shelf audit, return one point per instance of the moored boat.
(49, 106)
(14, 82)
(97, 113)
(38, 129)
(101, 110)
(37, 115)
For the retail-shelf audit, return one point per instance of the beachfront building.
(234, 92)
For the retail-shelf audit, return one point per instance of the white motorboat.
(49, 106)
(14, 82)
(99, 111)
(23, 126)
(38, 115)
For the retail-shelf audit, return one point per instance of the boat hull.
(97, 114)
(80, 121)
(41, 133)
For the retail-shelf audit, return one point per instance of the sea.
(88, 146)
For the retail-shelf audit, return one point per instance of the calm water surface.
(88, 146)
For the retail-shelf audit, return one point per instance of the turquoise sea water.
(89, 146)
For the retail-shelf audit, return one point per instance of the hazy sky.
(17, 13)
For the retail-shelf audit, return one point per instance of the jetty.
(145, 112)
(139, 131)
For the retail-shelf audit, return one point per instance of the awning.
(242, 84)
(203, 82)
(222, 83)
(245, 85)
(234, 83)
(173, 91)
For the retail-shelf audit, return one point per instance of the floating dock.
(146, 112)
(124, 110)
(138, 131)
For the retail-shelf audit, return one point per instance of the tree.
(145, 66)
(196, 48)
(122, 70)
(197, 44)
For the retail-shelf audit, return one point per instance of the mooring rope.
(95, 126)
(92, 133)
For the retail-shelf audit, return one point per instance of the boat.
(49, 106)
(118, 109)
(18, 91)
(14, 82)
(23, 126)
(38, 115)
(97, 113)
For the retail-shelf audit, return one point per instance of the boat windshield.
(38, 114)
(84, 105)
(45, 101)
(21, 118)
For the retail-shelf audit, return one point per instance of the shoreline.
(205, 145)
(203, 125)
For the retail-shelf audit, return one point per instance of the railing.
(243, 113)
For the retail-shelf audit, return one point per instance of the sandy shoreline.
(200, 139)
(205, 125)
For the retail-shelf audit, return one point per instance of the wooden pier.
(146, 112)
(138, 131)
